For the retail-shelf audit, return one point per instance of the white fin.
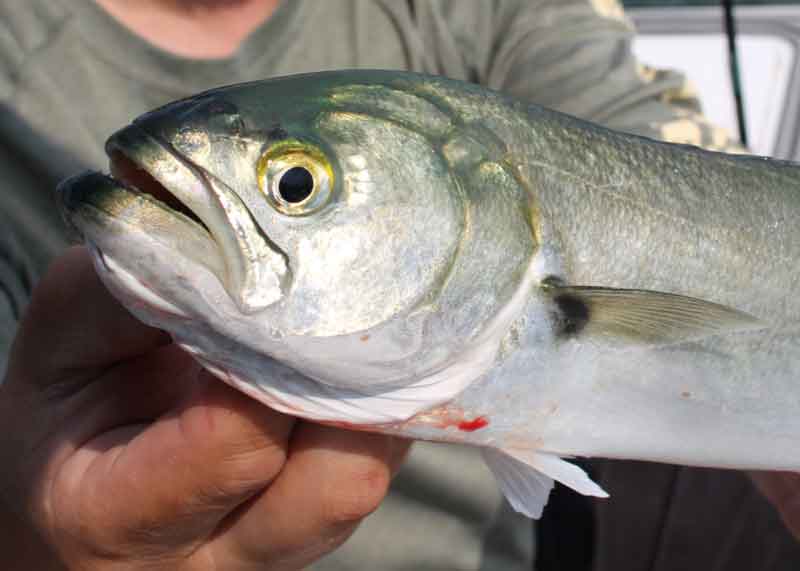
(526, 478)
(565, 472)
(525, 489)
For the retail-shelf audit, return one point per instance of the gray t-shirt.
(70, 75)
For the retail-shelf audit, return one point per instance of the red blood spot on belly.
(449, 418)
(473, 425)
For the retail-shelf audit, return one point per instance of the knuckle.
(245, 472)
(358, 494)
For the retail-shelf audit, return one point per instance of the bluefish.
(418, 256)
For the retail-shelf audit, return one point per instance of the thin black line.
(733, 63)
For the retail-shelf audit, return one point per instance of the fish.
(424, 257)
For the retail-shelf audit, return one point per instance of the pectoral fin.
(526, 478)
(643, 316)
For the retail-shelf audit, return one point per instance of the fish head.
(292, 218)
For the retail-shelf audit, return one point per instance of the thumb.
(73, 327)
(782, 489)
(187, 470)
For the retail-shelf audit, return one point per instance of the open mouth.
(136, 179)
(180, 208)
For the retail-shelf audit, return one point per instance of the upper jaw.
(154, 180)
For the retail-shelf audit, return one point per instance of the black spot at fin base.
(641, 316)
(573, 314)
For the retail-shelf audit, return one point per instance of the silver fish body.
(415, 255)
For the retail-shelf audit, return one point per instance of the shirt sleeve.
(575, 56)
(14, 289)
(31, 234)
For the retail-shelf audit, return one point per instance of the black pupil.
(296, 185)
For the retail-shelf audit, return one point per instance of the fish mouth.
(153, 189)
(135, 178)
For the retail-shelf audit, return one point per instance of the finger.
(400, 449)
(135, 392)
(782, 489)
(333, 478)
(108, 414)
(74, 326)
(186, 471)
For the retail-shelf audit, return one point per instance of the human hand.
(782, 489)
(119, 452)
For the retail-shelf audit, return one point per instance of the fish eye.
(296, 177)
(296, 184)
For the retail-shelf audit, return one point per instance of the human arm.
(575, 56)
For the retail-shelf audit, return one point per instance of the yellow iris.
(296, 177)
